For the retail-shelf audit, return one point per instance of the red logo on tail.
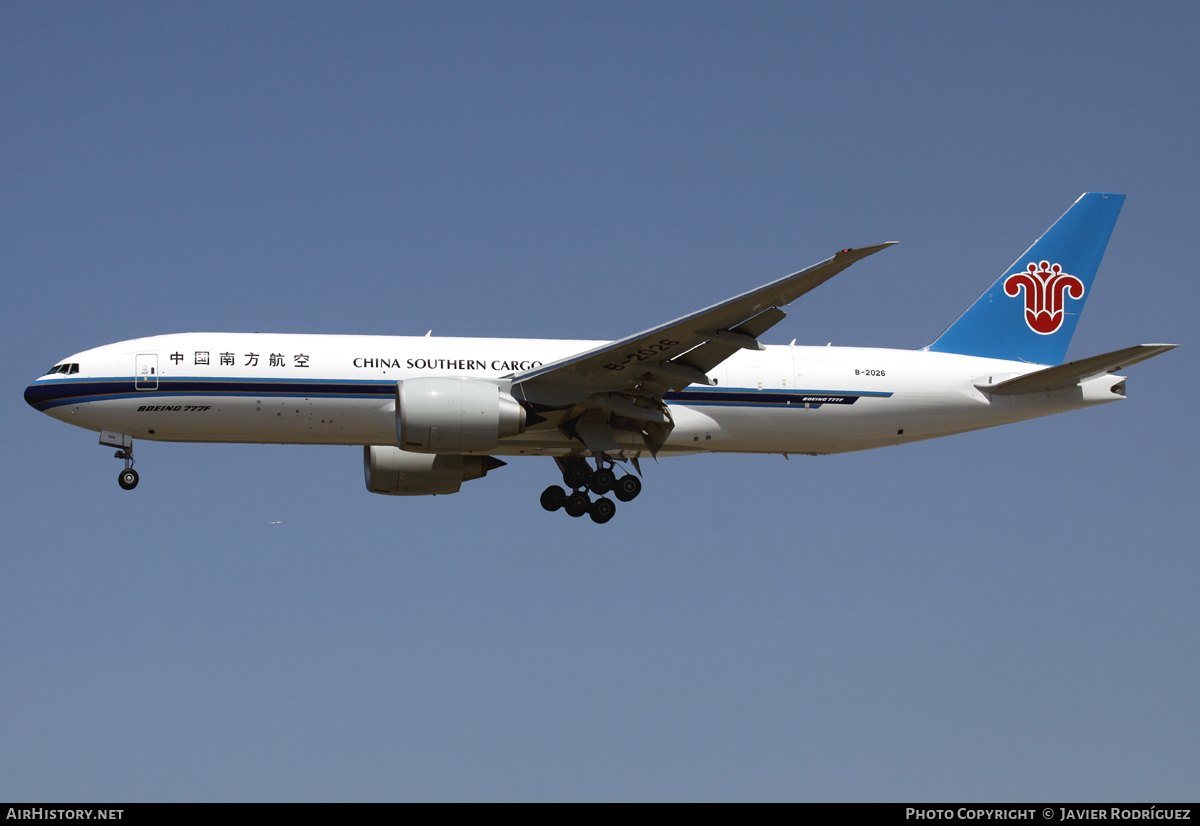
(1045, 285)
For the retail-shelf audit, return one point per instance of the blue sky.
(1004, 615)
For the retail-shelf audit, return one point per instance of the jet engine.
(395, 472)
(454, 415)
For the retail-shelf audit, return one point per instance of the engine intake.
(395, 472)
(454, 415)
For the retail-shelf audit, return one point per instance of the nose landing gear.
(578, 476)
(127, 478)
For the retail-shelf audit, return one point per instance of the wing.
(620, 385)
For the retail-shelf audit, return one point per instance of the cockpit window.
(65, 369)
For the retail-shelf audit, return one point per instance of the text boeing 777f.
(435, 412)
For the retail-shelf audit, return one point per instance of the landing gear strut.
(578, 476)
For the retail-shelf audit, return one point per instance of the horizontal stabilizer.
(1067, 375)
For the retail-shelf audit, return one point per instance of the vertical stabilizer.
(1030, 312)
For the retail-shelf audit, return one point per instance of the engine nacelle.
(395, 472)
(454, 415)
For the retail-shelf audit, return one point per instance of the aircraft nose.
(38, 393)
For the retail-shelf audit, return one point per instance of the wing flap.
(594, 432)
(714, 351)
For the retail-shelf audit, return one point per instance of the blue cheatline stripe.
(48, 394)
(740, 397)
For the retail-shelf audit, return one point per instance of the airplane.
(433, 412)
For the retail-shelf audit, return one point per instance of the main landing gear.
(578, 476)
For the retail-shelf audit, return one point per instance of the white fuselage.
(325, 389)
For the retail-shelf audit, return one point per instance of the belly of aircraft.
(277, 420)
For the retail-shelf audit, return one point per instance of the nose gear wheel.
(127, 478)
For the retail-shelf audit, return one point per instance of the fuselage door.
(145, 371)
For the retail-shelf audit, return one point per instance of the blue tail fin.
(1030, 313)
